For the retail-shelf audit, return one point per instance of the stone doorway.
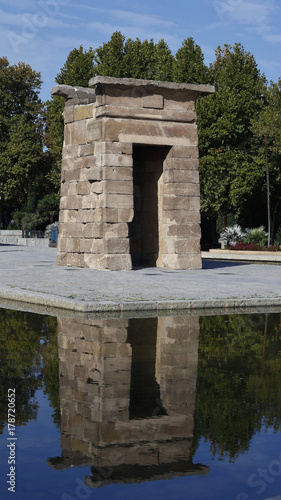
(145, 228)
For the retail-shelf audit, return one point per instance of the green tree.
(189, 66)
(229, 167)
(267, 128)
(237, 389)
(28, 350)
(129, 58)
(21, 128)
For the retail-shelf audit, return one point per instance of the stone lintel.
(103, 81)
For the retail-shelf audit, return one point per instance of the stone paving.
(31, 275)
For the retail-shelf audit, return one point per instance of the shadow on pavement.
(215, 264)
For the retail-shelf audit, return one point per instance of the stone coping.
(134, 82)
(246, 255)
(61, 306)
(243, 252)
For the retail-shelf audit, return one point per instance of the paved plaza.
(30, 275)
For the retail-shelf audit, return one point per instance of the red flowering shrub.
(252, 247)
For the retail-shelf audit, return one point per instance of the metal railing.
(32, 234)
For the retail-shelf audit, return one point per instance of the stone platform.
(30, 276)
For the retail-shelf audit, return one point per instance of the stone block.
(194, 203)
(183, 152)
(177, 102)
(125, 214)
(71, 230)
(109, 215)
(94, 261)
(68, 215)
(73, 245)
(87, 161)
(190, 261)
(72, 175)
(97, 187)
(115, 160)
(83, 187)
(181, 164)
(79, 132)
(92, 246)
(93, 130)
(119, 201)
(117, 245)
(93, 174)
(119, 187)
(90, 201)
(118, 262)
(181, 189)
(87, 215)
(150, 132)
(74, 260)
(92, 230)
(124, 350)
(70, 203)
(83, 112)
(62, 245)
(185, 246)
(122, 99)
(117, 173)
(175, 203)
(155, 101)
(180, 217)
(68, 135)
(117, 363)
(176, 261)
(181, 230)
(115, 230)
(70, 151)
(190, 176)
(68, 188)
(87, 149)
(116, 148)
(68, 114)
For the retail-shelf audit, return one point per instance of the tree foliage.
(189, 66)
(237, 388)
(27, 340)
(229, 169)
(21, 127)
(266, 127)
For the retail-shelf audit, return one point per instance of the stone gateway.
(130, 183)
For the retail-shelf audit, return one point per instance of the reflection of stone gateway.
(130, 187)
(101, 363)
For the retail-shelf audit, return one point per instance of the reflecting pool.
(171, 407)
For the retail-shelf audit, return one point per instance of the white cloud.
(145, 20)
(257, 16)
(275, 39)
(245, 12)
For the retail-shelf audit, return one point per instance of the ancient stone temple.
(130, 185)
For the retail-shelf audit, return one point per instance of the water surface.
(170, 407)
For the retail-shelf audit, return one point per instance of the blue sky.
(43, 32)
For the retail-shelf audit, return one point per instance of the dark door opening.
(145, 398)
(145, 229)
